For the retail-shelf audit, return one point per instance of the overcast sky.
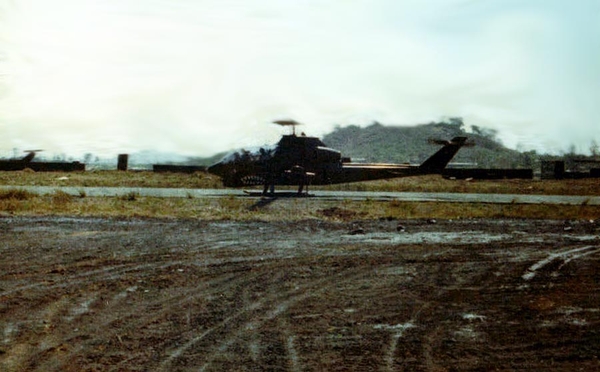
(199, 77)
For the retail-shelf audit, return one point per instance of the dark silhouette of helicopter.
(19, 164)
(29, 157)
(302, 161)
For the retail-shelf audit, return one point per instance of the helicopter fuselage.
(302, 160)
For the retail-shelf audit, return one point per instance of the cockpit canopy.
(252, 153)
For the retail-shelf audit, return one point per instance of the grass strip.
(21, 203)
(200, 180)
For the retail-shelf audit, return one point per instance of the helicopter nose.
(217, 169)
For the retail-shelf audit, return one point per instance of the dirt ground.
(171, 295)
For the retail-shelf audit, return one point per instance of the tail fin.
(438, 161)
(30, 155)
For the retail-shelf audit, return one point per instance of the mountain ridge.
(412, 144)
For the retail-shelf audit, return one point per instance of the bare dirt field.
(98, 294)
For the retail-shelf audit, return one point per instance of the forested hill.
(395, 144)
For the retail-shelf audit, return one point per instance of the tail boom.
(438, 161)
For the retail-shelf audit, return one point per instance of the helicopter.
(19, 163)
(301, 160)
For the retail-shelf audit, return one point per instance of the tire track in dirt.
(115, 272)
(252, 317)
(179, 301)
(167, 304)
(396, 332)
(70, 282)
(215, 285)
(290, 345)
(566, 255)
(218, 300)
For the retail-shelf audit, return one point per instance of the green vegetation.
(19, 202)
(398, 144)
(373, 143)
(110, 178)
(16, 195)
(382, 143)
(233, 208)
(435, 183)
(199, 180)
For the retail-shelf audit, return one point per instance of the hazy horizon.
(201, 77)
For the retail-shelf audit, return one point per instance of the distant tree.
(456, 122)
(488, 133)
(529, 159)
(570, 156)
(87, 158)
(594, 148)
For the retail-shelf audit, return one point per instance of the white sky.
(200, 76)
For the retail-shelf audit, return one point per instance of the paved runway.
(325, 195)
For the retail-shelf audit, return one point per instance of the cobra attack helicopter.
(19, 164)
(302, 161)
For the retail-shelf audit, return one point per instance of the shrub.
(61, 197)
(130, 196)
(16, 195)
